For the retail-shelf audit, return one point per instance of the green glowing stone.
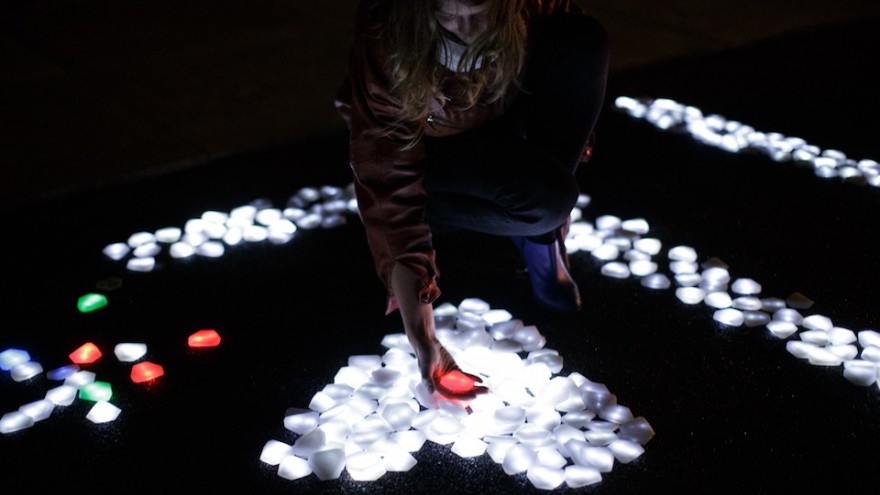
(91, 302)
(96, 391)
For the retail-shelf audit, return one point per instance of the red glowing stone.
(204, 338)
(457, 383)
(146, 371)
(87, 353)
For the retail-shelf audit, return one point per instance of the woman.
(469, 114)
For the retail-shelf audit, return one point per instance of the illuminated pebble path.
(625, 251)
(554, 427)
(733, 136)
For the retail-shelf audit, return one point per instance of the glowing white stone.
(716, 275)
(116, 251)
(656, 281)
(683, 267)
(781, 329)
(469, 446)
(255, 233)
(327, 464)
(636, 225)
(519, 459)
(351, 376)
(168, 235)
(799, 348)
(545, 478)
(473, 305)
(365, 466)
(688, 279)
(608, 222)
(845, 352)
(15, 421)
(860, 371)
(789, 315)
(300, 421)
(823, 357)
(410, 440)
(648, 245)
(266, 216)
(745, 286)
(495, 316)
(147, 250)
(62, 395)
(718, 300)
(310, 443)
(606, 252)
(444, 430)
(233, 236)
(103, 412)
(817, 337)
(840, 335)
(690, 295)
(626, 451)
(729, 316)
(399, 416)
(871, 353)
(130, 352)
(682, 253)
(398, 460)
(615, 269)
(749, 303)
(817, 322)
(616, 413)
(869, 338)
(141, 264)
(291, 467)
(38, 410)
(25, 371)
(309, 221)
(180, 250)
(195, 239)
(578, 476)
(211, 249)
(641, 268)
(12, 357)
(274, 451)
(140, 238)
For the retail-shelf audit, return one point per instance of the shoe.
(547, 265)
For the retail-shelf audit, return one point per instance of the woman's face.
(466, 22)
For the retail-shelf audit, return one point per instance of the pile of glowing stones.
(733, 136)
(78, 383)
(214, 231)
(555, 428)
(625, 250)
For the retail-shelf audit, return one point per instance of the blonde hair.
(414, 36)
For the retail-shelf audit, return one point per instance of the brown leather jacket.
(387, 178)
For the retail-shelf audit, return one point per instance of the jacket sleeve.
(387, 177)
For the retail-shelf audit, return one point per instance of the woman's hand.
(438, 368)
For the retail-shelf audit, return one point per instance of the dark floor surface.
(733, 412)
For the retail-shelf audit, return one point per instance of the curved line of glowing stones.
(85, 354)
(204, 338)
(733, 136)
(555, 428)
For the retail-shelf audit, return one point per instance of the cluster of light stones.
(734, 136)
(213, 231)
(624, 249)
(552, 427)
(72, 383)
